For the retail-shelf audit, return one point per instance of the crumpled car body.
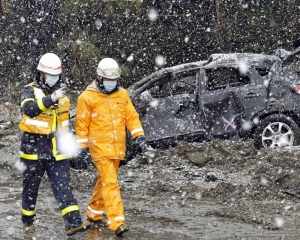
(230, 96)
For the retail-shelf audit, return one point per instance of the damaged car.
(233, 96)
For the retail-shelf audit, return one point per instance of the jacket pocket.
(28, 142)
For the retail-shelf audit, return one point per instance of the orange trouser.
(106, 196)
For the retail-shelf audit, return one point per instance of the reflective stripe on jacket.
(102, 119)
(45, 123)
(39, 139)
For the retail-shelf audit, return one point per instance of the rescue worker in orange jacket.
(104, 111)
(45, 123)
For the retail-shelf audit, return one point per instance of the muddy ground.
(216, 190)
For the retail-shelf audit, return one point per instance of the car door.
(189, 119)
(230, 100)
(251, 92)
(172, 111)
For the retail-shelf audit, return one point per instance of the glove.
(147, 151)
(59, 93)
(141, 140)
(83, 159)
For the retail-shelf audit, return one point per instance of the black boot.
(77, 226)
(29, 227)
(121, 229)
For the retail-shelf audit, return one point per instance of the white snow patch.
(266, 83)
(129, 173)
(35, 41)
(98, 23)
(246, 125)
(198, 196)
(160, 60)
(243, 67)
(284, 141)
(20, 166)
(130, 58)
(10, 218)
(286, 208)
(279, 222)
(68, 145)
(264, 181)
(255, 120)
(153, 103)
(153, 15)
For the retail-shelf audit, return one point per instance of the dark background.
(82, 32)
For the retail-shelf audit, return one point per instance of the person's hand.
(147, 151)
(83, 159)
(141, 140)
(59, 93)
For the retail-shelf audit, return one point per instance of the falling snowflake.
(160, 60)
(153, 15)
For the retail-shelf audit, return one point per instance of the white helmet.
(50, 63)
(108, 68)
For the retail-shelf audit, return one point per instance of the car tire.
(276, 130)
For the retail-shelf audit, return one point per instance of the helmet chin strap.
(100, 79)
(40, 81)
(42, 77)
(43, 80)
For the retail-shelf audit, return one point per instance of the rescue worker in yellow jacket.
(104, 111)
(45, 124)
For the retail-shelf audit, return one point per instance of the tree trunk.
(219, 17)
(5, 6)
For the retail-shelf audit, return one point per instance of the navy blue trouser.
(59, 176)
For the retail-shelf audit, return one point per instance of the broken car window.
(184, 83)
(220, 78)
(161, 88)
(262, 72)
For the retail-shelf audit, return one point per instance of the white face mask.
(51, 79)
(109, 85)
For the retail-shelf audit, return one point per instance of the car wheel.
(276, 131)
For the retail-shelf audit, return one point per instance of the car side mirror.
(146, 96)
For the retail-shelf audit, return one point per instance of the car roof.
(253, 59)
(263, 61)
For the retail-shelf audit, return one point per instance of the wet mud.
(217, 190)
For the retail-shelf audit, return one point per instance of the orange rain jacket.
(101, 122)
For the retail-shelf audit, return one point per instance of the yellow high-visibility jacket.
(45, 123)
(38, 139)
(101, 122)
